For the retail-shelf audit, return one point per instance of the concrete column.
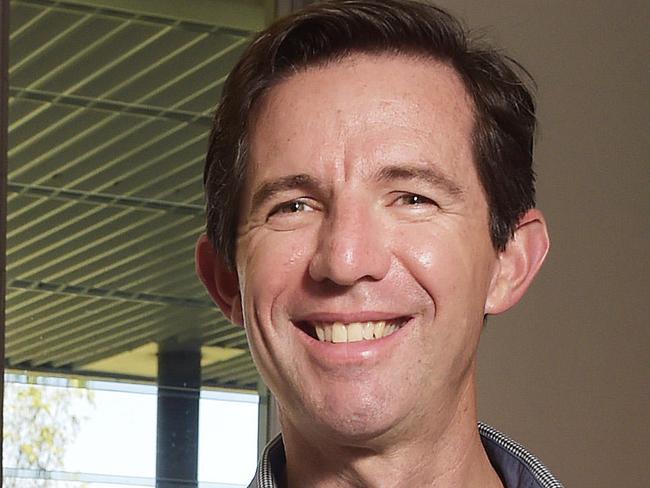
(177, 442)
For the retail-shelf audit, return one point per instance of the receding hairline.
(261, 101)
(350, 56)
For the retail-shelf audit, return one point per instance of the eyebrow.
(430, 175)
(270, 188)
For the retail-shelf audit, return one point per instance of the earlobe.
(221, 283)
(518, 263)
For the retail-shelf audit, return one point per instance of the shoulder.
(516, 466)
(270, 465)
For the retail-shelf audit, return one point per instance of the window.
(71, 432)
(108, 114)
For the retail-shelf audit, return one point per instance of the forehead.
(363, 107)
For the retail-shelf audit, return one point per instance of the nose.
(352, 246)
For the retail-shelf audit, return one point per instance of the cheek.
(451, 266)
(429, 255)
(269, 277)
(275, 265)
(451, 271)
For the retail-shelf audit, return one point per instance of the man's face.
(363, 210)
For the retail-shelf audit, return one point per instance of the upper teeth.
(354, 331)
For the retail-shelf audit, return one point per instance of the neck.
(445, 453)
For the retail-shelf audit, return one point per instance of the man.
(370, 201)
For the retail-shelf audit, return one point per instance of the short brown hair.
(329, 31)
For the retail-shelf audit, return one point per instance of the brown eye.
(292, 207)
(416, 200)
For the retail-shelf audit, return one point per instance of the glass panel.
(62, 432)
(227, 438)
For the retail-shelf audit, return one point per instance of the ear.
(221, 283)
(518, 263)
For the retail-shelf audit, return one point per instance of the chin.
(355, 420)
(358, 431)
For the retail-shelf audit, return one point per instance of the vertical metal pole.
(268, 420)
(177, 442)
(4, 92)
(262, 417)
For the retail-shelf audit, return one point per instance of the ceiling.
(110, 102)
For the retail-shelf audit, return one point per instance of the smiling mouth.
(339, 332)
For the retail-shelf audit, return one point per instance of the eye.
(292, 207)
(413, 199)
